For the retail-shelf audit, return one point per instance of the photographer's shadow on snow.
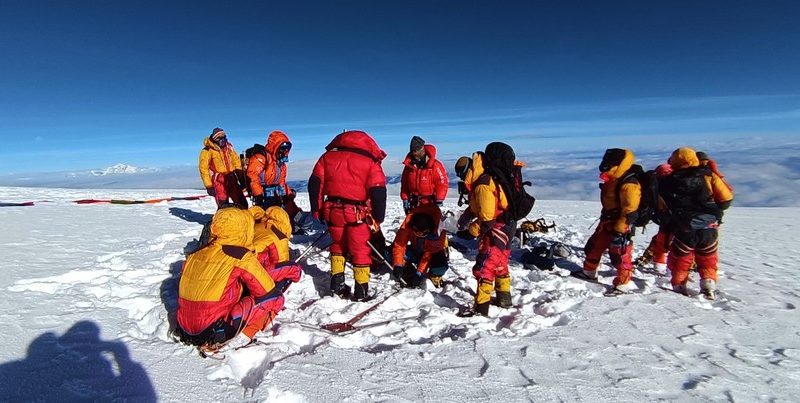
(190, 215)
(77, 366)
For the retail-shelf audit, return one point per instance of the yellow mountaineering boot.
(502, 286)
(338, 287)
(483, 297)
(361, 291)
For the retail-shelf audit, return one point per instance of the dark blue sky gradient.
(98, 82)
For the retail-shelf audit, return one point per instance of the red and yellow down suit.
(211, 306)
(217, 170)
(347, 189)
(694, 223)
(272, 232)
(427, 184)
(429, 252)
(619, 200)
(487, 202)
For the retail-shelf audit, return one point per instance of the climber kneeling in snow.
(213, 312)
(272, 232)
(420, 247)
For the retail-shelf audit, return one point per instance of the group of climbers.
(347, 193)
(692, 196)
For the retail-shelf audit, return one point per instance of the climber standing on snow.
(696, 198)
(267, 169)
(486, 219)
(619, 199)
(424, 179)
(221, 170)
(347, 190)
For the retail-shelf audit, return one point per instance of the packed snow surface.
(89, 290)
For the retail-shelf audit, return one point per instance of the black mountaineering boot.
(338, 287)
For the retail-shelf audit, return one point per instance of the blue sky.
(91, 83)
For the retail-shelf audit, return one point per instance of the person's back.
(696, 198)
(347, 189)
(213, 277)
(272, 232)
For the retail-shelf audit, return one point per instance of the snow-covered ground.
(88, 289)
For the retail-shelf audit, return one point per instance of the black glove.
(618, 243)
(465, 234)
(397, 273)
(211, 191)
(406, 206)
(258, 200)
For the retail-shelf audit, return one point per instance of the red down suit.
(347, 189)
(428, 183)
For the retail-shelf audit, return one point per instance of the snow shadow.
(77, 366)
(190, 215)
(169, 293)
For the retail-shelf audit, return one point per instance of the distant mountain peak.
(118, 169)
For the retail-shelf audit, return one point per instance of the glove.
(397, 273)
(465, 220)
(235, 343)
(618, 243)
(406, 206)
(412, 278)
(258, 200)
(465, 234)
(211, 191)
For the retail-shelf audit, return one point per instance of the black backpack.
(686, 194)
(498, 162)
(648, 204)
(255, 149)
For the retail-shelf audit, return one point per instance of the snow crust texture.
(91, 291)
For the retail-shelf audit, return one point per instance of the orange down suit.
(619, 201)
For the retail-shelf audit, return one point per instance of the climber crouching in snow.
(225, 296)
(485, 217)
(695, 197)
(272, 231)
(620, 200)
(347, 190)
(420, 248)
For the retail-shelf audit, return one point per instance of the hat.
(421, 222)
(215, 134)
(416, 143)
(702, 156)
(612, 158)
(462, 166)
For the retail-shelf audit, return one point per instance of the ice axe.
(308, 249)
(383, 260)
(341, 327)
